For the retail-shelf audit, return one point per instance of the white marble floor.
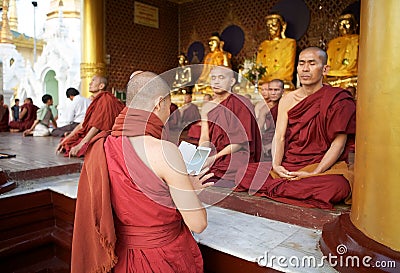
(281, 246)
(64, 184)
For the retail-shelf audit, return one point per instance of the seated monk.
(267, 112)
(136, 203)
(229, 126)
(216, 56)
(314, 133)
(343, 53)
(189, 112)
(26, 118)
(4, 115)
(278, 53)
(100, 116)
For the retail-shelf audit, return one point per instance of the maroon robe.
(268, 134)
(233, 122)
(27, 121)
(4, 118)
(100, 114)
(190, 115)
(174, 118)
(312, 126)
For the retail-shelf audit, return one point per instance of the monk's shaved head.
(320, 52)
(144, 88)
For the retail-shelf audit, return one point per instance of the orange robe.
(312, 126)
(125, 218)
(101, 114)
(27, 121)
(233, 122)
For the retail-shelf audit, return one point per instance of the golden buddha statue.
(217, 56)
(343, 53)
(183, 75)
(278, 53)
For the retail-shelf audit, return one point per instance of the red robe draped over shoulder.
(125, 218)
(100, 114)
(312, 126)
(27, 121)
(233, 122)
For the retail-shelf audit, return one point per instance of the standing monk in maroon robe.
(4, 115)
(136, 203)
(100, 116)
(27, 117)
(315, 130)
(229, 126)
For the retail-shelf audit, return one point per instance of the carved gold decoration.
(88, 70)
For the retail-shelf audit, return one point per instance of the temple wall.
(132, 46)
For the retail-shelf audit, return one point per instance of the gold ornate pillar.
(5, 34)
(93, 42)
(376, 192)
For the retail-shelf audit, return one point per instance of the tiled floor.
(31, 153)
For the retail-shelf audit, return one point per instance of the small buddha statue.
(343, 53)
(183, 75)
(217, 56)
(278, 53)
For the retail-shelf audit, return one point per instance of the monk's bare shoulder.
(290, 100)
(207, 107)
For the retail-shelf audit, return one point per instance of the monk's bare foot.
(14, 131)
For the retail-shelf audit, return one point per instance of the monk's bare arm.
(171, 168)
(92, 132)
(332, 155)
(262, 115)
(278, 142)
(205, 134)
(60, 146)
(230, 149)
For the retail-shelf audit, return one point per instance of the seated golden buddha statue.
(343, 53)
(217, 56)
(183, 74)
(278, 53)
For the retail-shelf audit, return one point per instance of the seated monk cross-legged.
(100, 116)
(228, 125)
(314, 133)
(136, 203)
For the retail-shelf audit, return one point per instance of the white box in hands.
(194, 156)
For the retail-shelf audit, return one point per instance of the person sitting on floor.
(189, 112)
(26, 117)
(228, 124)
(314, 133)
(76, 115)
(100, 116)
(136, 202)
(15, 110)
(44, 116)
(4, 115)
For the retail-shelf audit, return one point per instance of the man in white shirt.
(76, 115)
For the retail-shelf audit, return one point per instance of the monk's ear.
(101, 86)
(233, 81)
(325, 69)
(157, 103)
